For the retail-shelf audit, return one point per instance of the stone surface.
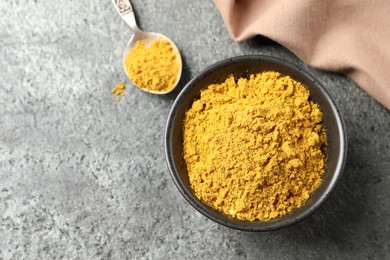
(84, 177)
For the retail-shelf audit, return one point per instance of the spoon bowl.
(125, 10)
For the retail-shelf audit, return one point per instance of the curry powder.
(153, 67)
(119, 91)
(254, 148)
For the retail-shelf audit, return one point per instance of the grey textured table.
(84, 177)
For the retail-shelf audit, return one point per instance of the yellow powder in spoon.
(153, 67)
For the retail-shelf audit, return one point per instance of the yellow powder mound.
(153, 68)
(254, 148)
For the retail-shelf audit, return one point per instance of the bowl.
(243, 66)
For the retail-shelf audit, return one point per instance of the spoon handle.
(125, 10)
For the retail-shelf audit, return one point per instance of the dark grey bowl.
(242, 66)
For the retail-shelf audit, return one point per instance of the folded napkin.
(346, 36)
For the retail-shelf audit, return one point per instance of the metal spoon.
(125, 10)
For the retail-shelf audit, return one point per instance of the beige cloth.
(347, 36)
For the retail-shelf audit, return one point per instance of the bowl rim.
(196, 203)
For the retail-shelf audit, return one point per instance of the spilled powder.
(119, 90)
